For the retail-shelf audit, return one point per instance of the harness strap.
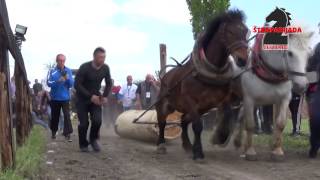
(262, 69)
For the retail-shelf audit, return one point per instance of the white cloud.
(73, 27)
(126, 69)
(167, 11)
(76, 27)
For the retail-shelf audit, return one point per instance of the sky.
(129, 30)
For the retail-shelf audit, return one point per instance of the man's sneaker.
(68, 138)
(95, 146)
(84, 149)
(295, 134)
(53, 135)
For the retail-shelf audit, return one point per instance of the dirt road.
(128, 159)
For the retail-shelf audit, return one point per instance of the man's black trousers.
(83, 111)
(55, 115)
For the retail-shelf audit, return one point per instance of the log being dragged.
(146, 132)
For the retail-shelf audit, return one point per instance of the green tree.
(202, 11)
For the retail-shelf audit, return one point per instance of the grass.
(297, 143)
(28, 157)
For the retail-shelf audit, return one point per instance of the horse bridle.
(288, 71)
(233, 46)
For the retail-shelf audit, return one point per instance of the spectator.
(313, 99)
(60, 81)
(113, 107)
(13, 99)
(294, 107)
(147, 92)
(128, 94)
(267, 115)
(36, 111)
(37, 87)
(314, 104)
(45, 106)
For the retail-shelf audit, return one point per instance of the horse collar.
(261, 68)
(206, 72)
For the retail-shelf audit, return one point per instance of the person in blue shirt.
(60, 81)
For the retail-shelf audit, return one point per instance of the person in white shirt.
(128, 94)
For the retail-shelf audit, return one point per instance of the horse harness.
(265, 71)
(208, 73)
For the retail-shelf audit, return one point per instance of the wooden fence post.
(20, 107)
(6, 133)
(24, 121)
(163, 58)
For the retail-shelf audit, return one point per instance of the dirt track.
(128, 159)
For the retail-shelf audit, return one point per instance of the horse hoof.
(277, 158)
(200, 161)
(237, 143)
(198, 156)
(187, 147)
(161, 149)
(251, 157)
(214, 140)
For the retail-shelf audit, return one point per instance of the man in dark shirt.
(37, 87)
(89, 99)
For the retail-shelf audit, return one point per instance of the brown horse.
(204, 81)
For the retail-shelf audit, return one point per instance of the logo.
(276, 37)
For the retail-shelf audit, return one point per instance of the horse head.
(297, 58)
(229, 31)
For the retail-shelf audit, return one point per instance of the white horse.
(257, 92)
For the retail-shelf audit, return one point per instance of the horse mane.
(213, 26)
(303, 38)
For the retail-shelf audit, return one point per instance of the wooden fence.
(8, 137)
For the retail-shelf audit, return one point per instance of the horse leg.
(280, 122)
(186, 144)
(197, 127)
(224, 127)
(162, 113)
(238, 140)
(250, 152)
